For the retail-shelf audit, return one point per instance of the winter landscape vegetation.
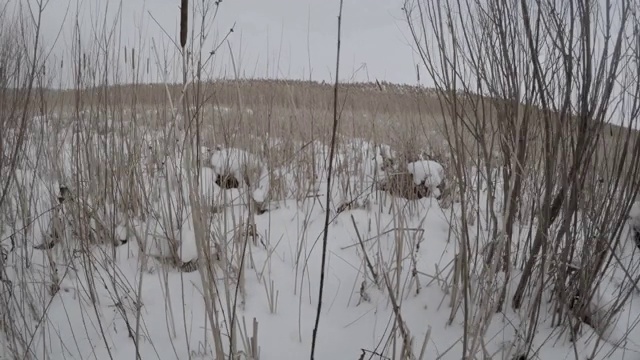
(349, 179)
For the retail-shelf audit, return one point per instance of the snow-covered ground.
(406, 244)
(196, 262)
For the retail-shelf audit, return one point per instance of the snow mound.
(261, 191)
(428, 173)
(245, 168)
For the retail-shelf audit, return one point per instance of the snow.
(242, 164)
(427, 172)
(634, 215)
(282, 263)
(188, 250)
(261, 191)
(106, 294)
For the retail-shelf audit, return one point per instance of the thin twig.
(329, 175)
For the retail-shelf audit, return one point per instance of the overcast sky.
(272, 38)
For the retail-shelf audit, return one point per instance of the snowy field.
(389, 260)
(166, 201)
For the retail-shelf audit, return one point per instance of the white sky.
(272, 38)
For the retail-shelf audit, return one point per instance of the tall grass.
(556, 209)
(141, 203)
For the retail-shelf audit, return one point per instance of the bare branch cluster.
(541, 109)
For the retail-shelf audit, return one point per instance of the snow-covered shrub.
(415, 180)
(233, 167)
(429, 174)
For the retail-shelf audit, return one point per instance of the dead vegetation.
(479, 141)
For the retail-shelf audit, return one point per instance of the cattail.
(183, 22)
(147, 66)
(125, 54)
(133, 58)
